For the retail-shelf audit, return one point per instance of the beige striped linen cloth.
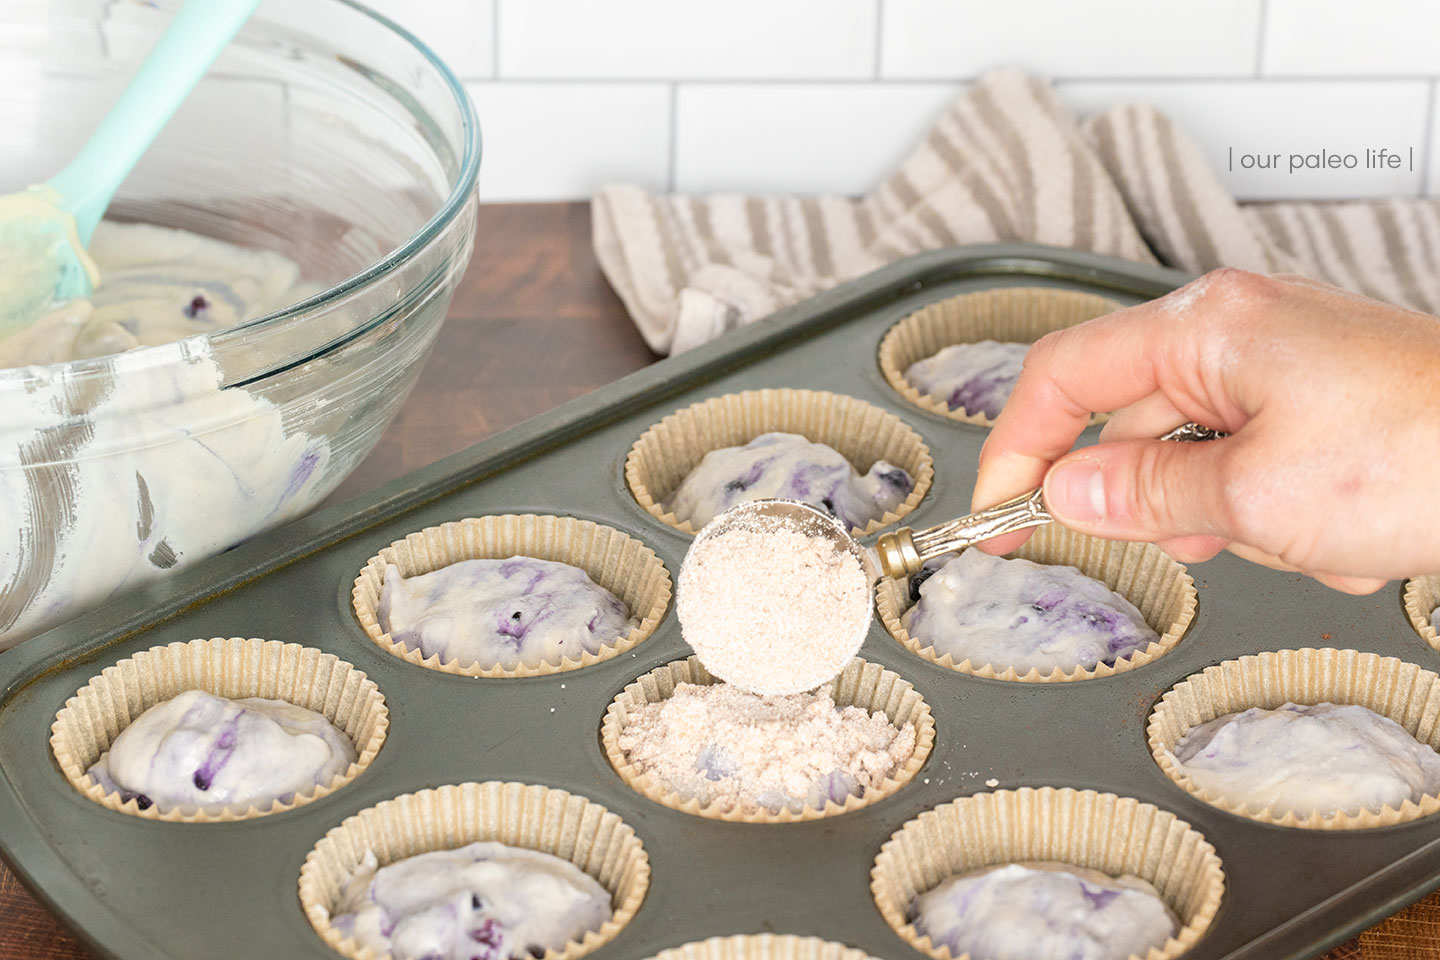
(1005, 162)
(1008, 162)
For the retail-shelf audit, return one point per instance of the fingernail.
(1075, 491)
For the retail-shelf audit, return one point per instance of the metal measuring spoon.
(901, 553)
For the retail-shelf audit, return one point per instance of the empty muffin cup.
(763, 946)
(1422, 605)
(1007, 315)
(664, 455)
(861, 684)
(1100, 831)
(1401, 691)
(1140, 572)
(234, 668)
(529, 816)
(614, 560)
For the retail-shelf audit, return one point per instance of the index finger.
(1098, 366)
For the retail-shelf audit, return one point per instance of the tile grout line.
(495, 40)
(674, 137)
(1259, 41)
(1269, 80)
(1427, 148)
(879, 34)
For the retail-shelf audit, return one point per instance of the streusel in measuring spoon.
(774, 597)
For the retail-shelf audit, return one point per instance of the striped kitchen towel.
(1005, 162)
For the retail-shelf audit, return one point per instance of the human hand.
(1332, 401)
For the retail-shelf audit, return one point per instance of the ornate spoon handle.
(904, 551)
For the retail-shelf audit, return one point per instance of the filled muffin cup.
(1391, 687)
(1142, 573)
(614, 560)
(1008, 315)
(664, 455)
(762, 946)
(234, 668)
(1422, 599)
(1099, 831)
(530, 816)
(860, 684)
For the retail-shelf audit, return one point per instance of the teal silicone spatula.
(45, 229)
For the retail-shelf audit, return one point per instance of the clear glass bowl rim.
(460, 191)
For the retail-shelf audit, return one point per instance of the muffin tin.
(136, 888)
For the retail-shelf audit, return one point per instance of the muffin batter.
(974, 377)
(201, 751)
(1014, 613)
(1044, 911)
(1320, 758)
(505, 613)
(100, 467)
(788, 466)
(733, 749)
(485, 901)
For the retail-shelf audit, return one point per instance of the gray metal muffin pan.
(143, 890)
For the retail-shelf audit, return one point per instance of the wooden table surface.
(532, 325)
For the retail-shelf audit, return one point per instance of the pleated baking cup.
(534, 817)
(763, 946)
(860, 684)
(1009, 315)
(614, 560)
(235, 668)
(1140, 572)
(1100, 831)
(862, 433)
(1391, 687)
(1422, 597)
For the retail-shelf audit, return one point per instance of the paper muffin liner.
(614, 560)
(1009, 315)
(534, 817)
(1140, 572)
(1100, 831)
(862, 433)
(762, 946)
(860, 684)
(1422, 597)
(235, 668)
(1391, 687)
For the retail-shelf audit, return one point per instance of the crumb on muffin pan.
(484, 753)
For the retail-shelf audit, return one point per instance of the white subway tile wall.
(544, 141)
(799, 137)
(827, 95)
(1063, 38)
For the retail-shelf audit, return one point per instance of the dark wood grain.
(534, 324)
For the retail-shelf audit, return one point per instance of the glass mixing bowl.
(324, 133)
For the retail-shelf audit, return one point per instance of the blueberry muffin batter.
(1044, 911)
(485, 901)
(200, 751)
(520, 611)
(1318, 758)
(974, 377)
(1015, 613)
(788, 466)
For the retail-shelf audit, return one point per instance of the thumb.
(1142, 490)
